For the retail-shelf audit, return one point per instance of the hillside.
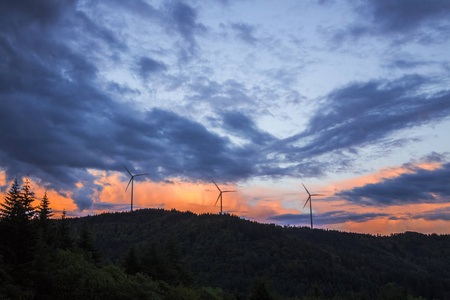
(231, 253)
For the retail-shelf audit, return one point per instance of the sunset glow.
(262, 203)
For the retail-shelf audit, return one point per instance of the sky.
(350, 98)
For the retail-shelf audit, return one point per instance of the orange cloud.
(402, 214)
(256, 202)
(57, 201)
(383, 173)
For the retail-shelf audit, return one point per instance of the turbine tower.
(132, 181)
(310, 202)
(220, 195)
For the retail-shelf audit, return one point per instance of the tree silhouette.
(86, 244)
(27, 199)
(174, 265)
(259, 290)
(9, 213)
(151, 262)
(43, 217)
(44, 212)
(10, 208)
(63, 238)
(19, 238)
(131, 263)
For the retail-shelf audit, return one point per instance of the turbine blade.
(131, 179)
(317, 195)
(218, 198)
(306, 189)
(229, 191)
(309, 199)
(127, 170)
(141, 174)
(216, 185)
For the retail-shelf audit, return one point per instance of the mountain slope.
(228, 252)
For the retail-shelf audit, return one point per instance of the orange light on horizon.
(258, 203)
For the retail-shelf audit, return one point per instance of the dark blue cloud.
(148, 66)
(109, 206)
(220, 96)
(245, 32)
(328, 218)
(419, 186)
(31, 12)
(402, 21)
(138, 8)
(183, 19)
(105, 35)
(56, 122)
(408, 15)
(407, 63)
(243, 126)
(435, 215)
(364, 113)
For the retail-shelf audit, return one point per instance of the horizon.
(349, 98)
(262, 223)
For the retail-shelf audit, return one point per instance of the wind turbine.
(310, 202)
(220, 195)
(132, 181)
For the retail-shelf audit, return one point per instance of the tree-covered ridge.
(160, 254)
(41, 258)
(231, 253)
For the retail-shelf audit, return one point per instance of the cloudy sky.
(349, 97)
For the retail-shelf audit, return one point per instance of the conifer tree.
(43, 215)
(27, 199)
(151, 262)
(131, 263)
(16, 213)
(44, 211)
(86, 244)
(9, 209)
(175, 267)
(259, 290)
(63, 238)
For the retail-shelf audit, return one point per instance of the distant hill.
(231, 253)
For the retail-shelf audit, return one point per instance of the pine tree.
(63, 238)
(86, 244)
(131, 263)
(259, 290)
(16, 214)
(175, 266)
(9, 211)
(27, 199)
(151, 262)
(43, 218)
(41, 267)
(10, 208)
(44, 211)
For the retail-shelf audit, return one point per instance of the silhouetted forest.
(160, 254)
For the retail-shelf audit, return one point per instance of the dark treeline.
(159, 254)
(43, 258)
(243, 257)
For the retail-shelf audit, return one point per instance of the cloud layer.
(192, 91)
(418, 186)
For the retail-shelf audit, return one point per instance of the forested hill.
(231, 253)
